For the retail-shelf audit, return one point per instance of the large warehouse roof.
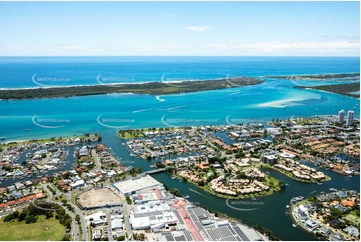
(135, 184)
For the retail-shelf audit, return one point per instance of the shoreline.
(299, 180)
(318, 77)
(345, 89)
(149, 88)
(224, 196)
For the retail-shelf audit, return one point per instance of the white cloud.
(198, 28)
(309, 46)
(16, 47)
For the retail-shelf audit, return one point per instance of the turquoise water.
(67, 116)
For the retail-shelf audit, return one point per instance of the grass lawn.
(43, 229)
(353, 219)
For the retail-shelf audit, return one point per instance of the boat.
(254, 198)
(287, 206)
(173, 177)
(294, 225)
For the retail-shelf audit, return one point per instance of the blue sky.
(180, 28)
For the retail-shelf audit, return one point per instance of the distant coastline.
(343, 89)
(319, 77)
(152, 88)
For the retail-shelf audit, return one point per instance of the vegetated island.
(153, 88)
(344, 89)
(320, 77)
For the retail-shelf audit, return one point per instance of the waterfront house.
(322, 198)
(332, 196)
(342, 194)
(302, 212)
(312, 224)
(325, 231)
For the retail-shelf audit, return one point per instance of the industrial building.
(131, 186)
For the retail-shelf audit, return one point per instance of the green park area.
(42, 230)
(353, 218)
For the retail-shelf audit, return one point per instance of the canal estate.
(244, 161)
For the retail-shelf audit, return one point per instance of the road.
(75, 227)
(78, 211)
(96, 160)
(125, 209)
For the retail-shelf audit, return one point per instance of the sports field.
(43, 229)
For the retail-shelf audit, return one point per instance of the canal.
(267, 211)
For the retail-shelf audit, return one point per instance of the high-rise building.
(341, 116)
(349, 120)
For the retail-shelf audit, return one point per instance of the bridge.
(154, 171)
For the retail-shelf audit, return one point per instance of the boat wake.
(143, 110)
(159, 99)
(196, 192)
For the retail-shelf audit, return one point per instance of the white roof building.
(152, 215)
(97, 218)
(116, 222)
(130, 186)
(77, 184)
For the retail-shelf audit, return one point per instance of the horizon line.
(180, 56)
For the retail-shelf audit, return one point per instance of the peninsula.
(348, 89)
(153, 88)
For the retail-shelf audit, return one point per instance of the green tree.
(175, 192)
(66, 238)
(31, 219)
(21, 216)
(16, 214)
(8, 217)
(120, 238)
